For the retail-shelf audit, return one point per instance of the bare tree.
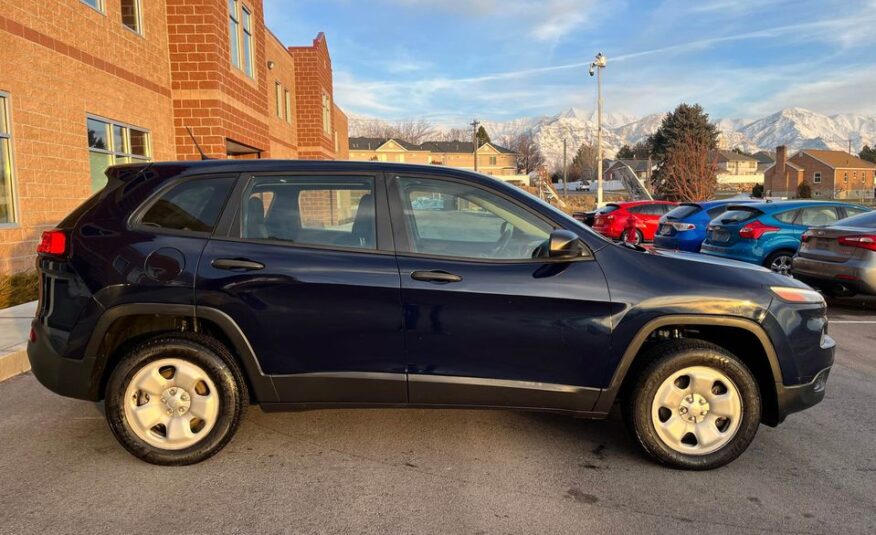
(413, 131)
(689, 173)
(453, 134)
(529, 157)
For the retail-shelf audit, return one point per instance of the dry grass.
(18, 288)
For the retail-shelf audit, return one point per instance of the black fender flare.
(261, 385)
(608, 396)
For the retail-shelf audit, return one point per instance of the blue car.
(770, 233)
(684, 228)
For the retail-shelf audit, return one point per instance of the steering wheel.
(505, 234)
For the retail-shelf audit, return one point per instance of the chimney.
(781, 158)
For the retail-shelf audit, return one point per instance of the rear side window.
(786, 217)
(192, 206)
(716, 211)
(818, 216)
(685, 210)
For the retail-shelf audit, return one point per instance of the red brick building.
(88, 83)
(831, 174)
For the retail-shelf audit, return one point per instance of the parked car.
(612, 220)
(684, 227)
(183, 291)
(769, 234)
(840, 259)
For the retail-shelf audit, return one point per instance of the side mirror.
(564, 244)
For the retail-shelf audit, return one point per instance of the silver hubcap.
(696, 410)
(781, 264)
(171, 404)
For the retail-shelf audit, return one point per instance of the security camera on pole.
(596, 67)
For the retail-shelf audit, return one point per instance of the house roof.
(839, 159)
(458, 147)
(733, 156)
(764, 156)
(374, 143)
(639, 166)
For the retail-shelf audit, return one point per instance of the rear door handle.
(440, 277)
(237, 264)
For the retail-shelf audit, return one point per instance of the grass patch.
(18, 288)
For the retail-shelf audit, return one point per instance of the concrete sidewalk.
(14, 329)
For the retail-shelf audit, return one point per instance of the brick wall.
(283, 134)
(313, 79)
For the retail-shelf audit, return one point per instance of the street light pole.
(474, 125)
(597, 66)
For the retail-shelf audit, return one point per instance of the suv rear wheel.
(176, 399)
(695, 406)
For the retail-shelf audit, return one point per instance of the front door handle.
(237, 264)
(440, 277)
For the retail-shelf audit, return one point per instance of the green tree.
(757, 191)
(482, 136)
(625, 153)
(804, 190)
(639, 151)
(868, 153)
(584, 164)
(686, 122)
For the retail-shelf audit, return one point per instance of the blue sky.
(451, 60)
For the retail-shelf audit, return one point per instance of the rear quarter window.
(192, 206)
(786, 217)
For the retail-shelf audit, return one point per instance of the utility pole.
(850, 146)
(565, 170)
(474, 138)
(597, 66)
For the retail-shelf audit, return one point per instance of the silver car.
(840, 259)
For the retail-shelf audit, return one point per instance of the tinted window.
(717, 210)
(817, 216)
(738, 215)
(194, 205)
(311, 211)
(786, 217)
(854, 210)
(451, 219)
(685, 210)
(866, 220)
(607, 209)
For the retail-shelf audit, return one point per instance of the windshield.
(607, 209)
(685, 210)
(738, 214)
(865, 220)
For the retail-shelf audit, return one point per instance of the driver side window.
(451, 219)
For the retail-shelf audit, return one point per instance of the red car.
(637, 218)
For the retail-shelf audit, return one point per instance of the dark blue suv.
(182, 292)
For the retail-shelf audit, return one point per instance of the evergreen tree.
(482, 136)
(804, 190)
(868, 154)
(584, 164)
(757, 191)
(625, 153)
(686, 122)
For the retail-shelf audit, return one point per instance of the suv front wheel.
(695, 406)
(175, 399)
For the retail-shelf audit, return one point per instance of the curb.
(13, 363)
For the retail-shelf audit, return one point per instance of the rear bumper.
(75, 378)
(796, 398)
(849, 274)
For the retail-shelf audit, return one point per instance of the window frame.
(816, 177)
(138, 9)
(7, 134)
(100, 8)
(287, 103)
(326, 114)
(111, 140)
(134, 222)
(278, 92)
(234, 33)
(231, 221)
(401, 231)
(247, 52)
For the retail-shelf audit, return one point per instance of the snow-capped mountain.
(795, 127)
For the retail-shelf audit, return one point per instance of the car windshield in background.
(865, 220)
(738, 214)
(607, 209)
(685, 210)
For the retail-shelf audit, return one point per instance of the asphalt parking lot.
(445, 471)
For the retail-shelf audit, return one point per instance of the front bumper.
(796, 398)
(75, 378)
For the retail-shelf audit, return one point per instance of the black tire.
(671, 357)
(768, 263)
(203, 351)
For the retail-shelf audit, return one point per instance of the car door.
(306, 269)
(485, 322)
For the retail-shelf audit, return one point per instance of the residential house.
(492, 159)
(736, 172)
(829, 173)
(85, 84)
(764, 160)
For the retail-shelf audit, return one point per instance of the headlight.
(798, 295)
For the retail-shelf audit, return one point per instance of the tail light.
(53, 242)
(755, 230)
(862, 242)
(807, 236)
(682, 227)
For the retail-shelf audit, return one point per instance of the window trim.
(248, 64)
(138, 7)
(278, 91)
(101, 6)
(234, 34)
(402, 240)
(5, 102)
(148, 157)
(816, 177)
(287, 103)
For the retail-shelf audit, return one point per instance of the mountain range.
(797, 128)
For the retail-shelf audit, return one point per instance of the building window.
(96, 4)
(132, 16)
(7, 191)
(288, 97)
(492, 160)
(247, 42)
(278, 97)
(816, 178)
(846, 176)
(111, 143)
(326, 114)
(234, 32)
